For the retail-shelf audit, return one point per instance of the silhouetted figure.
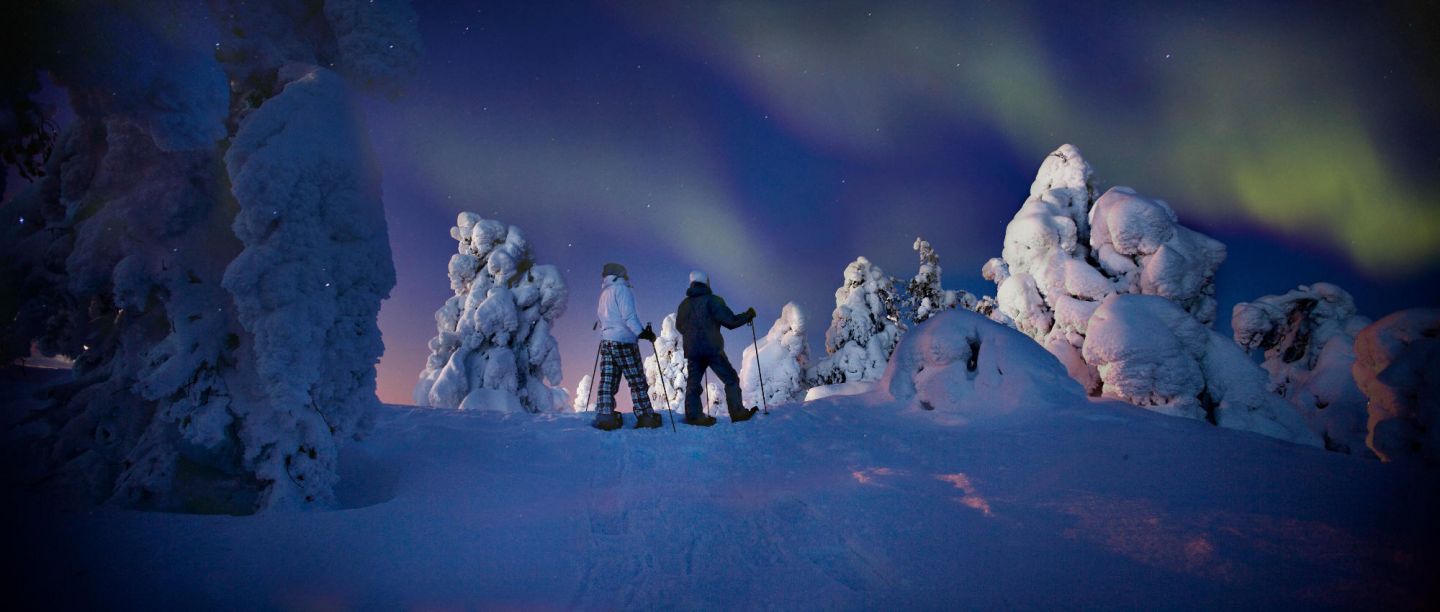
(699, 319)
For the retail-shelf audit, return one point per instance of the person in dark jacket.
(699, 319)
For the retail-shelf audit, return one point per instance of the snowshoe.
(703, 420)
(744, 415)
(649, 420)
(608, 421)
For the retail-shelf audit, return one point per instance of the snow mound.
(964, 365)
(1151, 353)
(1395, 361)
(494, 333)
(783, 356)
(1308, 335)
(839, 389)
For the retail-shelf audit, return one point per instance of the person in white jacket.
(620, 333)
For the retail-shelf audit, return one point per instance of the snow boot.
(608, 421)
(743, 415)
(703, 420)
(648, 420)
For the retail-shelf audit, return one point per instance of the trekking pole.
(664, 385)
(595, 369)
(759, 371)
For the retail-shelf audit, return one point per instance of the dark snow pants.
(720, 365)
(617, 358)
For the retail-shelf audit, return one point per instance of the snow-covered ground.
(847, 502)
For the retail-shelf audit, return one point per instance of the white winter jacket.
(618, 320)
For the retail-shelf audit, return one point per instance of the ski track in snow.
(833, 504)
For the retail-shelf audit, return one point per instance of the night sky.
(771, 145)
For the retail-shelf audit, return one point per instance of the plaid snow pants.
(618, 358)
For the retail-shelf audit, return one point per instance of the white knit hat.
(699, 277)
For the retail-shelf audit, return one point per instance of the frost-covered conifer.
(220, 310)
(1308, 336)
(923, 296)
(1150, 352)
(784, 353)
(1056, 267)
(1395, 361)
(864, 327)
(669, 362)
(494, 350)
(581, 403)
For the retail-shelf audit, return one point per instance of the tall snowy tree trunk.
(309, 282)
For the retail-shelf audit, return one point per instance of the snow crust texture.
(1308, 336)
(1395, 361)
(1151, 353)
(494, 349)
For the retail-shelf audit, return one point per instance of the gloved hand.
(749, 314)
(647, 333)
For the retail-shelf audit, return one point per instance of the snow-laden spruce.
(308, 284)
(666, 370)
(220, 312)
(863, 327)
(970, 369)
(581, 401)
(1308, 335)
(923, 295)
(1066, 251)
(784, 353)
(494, 350)
(1150, 352)
(1395, 367)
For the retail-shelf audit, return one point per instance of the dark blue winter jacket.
(699, 318)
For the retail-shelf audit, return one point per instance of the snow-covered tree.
(784, 353)
(581, 403)
(922, 296)
(1150, 352)
(1066, 251)
(1395, 361)
(667, 362)
(208, 244)
(863, 328)
(494, 350)
(1308, 336)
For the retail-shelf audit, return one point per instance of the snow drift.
(1308, 336)
(969, 368)
(494, 349)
